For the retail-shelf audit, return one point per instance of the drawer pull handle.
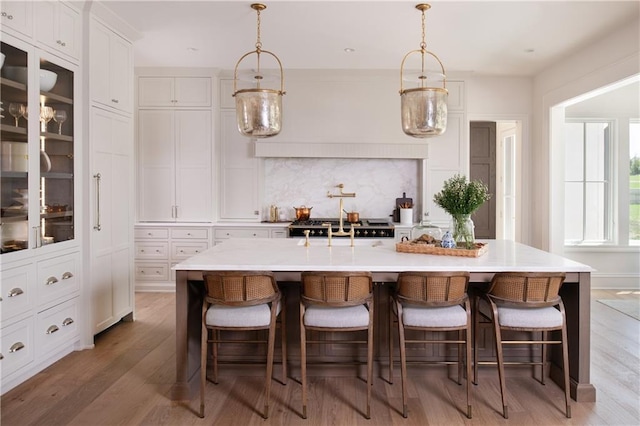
(51, 280)
(52, 329)
(67, 321)
(157, 251)
(67, 275)
(16, 347)
(149, 233)
(98, 225)
(15, 292)
(115, 101)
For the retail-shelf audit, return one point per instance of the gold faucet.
(306, 238)
(341, 232)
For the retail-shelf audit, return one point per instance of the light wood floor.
(126, 380)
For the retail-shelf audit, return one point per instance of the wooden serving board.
(412, 247)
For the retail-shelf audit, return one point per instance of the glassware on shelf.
(59, 116)
(16, 110)
(46, 114)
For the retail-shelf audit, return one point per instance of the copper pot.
(303, 213)
(353, 217)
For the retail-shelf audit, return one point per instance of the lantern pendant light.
(424, 108)
(258, 109)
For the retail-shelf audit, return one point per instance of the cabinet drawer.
(151, 233)
(57, 278)
(184, 250)
(278, 233)
(190, 233)
(17, 297)
(56, 327)
(157, 250)
(241, 233)
(16, 343)
(152, 271)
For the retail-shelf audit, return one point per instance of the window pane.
(596, 142)
(573, 148)
(596, 212)
(573, 211)
(634, 182)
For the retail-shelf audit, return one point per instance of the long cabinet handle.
(51, 281)
(52, 329)
(16, 347)
(15, 292)
(97, 226)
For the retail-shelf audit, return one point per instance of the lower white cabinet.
(224, 233)
(40, 313)
(158, 248)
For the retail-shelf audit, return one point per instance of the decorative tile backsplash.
(293, 182)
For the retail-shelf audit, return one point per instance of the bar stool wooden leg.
(565, 365)
(503, 390)
(391, 323)
(545, 336)
(468, 366)
(303, 362)
(403, 363)
(216, 337)
(203, 367)
(476, 316)
(369, 361)
(283, 334)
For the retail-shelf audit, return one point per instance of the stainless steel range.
(365, 228)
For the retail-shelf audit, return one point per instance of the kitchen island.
(288, 257)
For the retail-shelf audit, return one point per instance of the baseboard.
(615, 281)
(161, 287)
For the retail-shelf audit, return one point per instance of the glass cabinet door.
(14, 151)
(56, 196)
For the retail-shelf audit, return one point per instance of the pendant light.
(424, 108)
(258, 109)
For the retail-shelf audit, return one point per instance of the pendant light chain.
(258, 42)
(423, 49)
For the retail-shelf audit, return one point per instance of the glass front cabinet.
(38, 167)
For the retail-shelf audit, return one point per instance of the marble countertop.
(290, 254)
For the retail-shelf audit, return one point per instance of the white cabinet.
(158, 248)
(111, 68)
(175, 150)
(112, 213)
(239, 173)
(174, 91)
(17, 349)
(17, 16)
(58, 26)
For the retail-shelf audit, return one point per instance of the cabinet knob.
(61, 43)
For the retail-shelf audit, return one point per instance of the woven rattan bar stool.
(525, 302)
(433, 302)
(241, 301)
(336, 302)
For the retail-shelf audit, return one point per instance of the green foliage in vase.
(459, 197)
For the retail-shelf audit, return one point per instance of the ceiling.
(472, 37)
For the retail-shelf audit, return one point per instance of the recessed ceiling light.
(349, 50)
(529, 50)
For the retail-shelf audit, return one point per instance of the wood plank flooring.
(126, 380)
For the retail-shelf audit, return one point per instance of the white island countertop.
(375, 255)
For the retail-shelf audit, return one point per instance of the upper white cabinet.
(175, 173)
(174, 91)
(111, 68)
(239, 172)
(17, 16)
(58, 26)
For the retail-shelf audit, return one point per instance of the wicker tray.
(411, 247)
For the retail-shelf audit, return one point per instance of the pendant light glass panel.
(259, 112)
(424, 111)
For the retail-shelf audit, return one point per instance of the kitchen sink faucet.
(341, 232)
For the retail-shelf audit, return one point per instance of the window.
(588, 185)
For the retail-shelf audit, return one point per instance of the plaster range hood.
(342, 114)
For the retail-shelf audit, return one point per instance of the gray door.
(483, 168)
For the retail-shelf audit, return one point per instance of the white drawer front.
(57, 326)
(151, 250)
(16, 295)
(190, 233)
(184, 250)
(57, 277)
(152, 271)
(278, 233)
(16, 343)
(151, 233)
(241, 233)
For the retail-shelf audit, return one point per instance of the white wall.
(607, 61)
